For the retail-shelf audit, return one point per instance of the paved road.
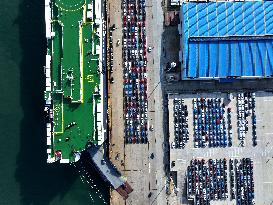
(157, 174)
(116, 146)
(205, 86)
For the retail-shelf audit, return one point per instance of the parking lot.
(145, 173)
(251, 137)
(135, 71)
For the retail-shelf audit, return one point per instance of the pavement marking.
(206, 154)
(213, 151)
(183, 161)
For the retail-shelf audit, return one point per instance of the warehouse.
(226, 40)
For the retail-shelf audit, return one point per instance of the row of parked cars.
(229, 127)
(210, 124)
(246, 105)
(181, 128)
(252, 103)
(135, 71)
(111, 54)
(207, 181)
(242, 181)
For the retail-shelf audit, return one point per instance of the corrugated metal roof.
(223, 39)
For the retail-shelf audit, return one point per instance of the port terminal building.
(226, 39)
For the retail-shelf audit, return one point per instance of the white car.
(194, 105)
(195, 144)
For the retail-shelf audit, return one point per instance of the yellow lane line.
(81, 65)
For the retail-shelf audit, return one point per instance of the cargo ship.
(75, 94)
(75, 105)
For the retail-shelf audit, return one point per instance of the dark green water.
(25, 178)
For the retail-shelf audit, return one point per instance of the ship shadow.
(39, 182)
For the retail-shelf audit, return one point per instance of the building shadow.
(39, 182)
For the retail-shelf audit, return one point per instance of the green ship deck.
(73, 77)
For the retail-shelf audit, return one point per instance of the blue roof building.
(226, 39)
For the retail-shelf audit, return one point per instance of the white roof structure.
(89, 6)
(48, 19)
(48, 84)
(90, 15)
(48, 141)
(98, 10)
(48, 101)
(47, 72)
(176, 2)
(64, 161)
(48, 60)
(98, 49)
(101, 115)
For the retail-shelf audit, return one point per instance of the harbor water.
(25, 177)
